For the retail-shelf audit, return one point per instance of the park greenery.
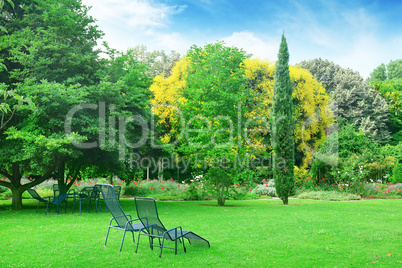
(250, 233)
(215, 122)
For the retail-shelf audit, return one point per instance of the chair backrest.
(118, 191)
(56, 190)
(112, 202)
(58, 199)
(88, 192)
(148, 214)
(35, 195)
(97, 190)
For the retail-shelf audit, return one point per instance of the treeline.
(72, 111)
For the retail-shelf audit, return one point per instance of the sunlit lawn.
(258, 233)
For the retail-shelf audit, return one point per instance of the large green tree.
(352, 98)
(46, 43)
(52, 40)
(393, 70)
(283, 126)
(203, 110)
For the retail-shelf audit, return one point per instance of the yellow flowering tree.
(310, 102)
(201, 86)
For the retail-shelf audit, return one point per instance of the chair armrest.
(114, 218)
(172, 229)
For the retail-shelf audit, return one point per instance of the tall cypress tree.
(283, 126)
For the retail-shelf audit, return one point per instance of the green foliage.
(267, 189)
(50, 57)
(353, 100)
(328, 195)
(283, 126)
(215, 91)
(383, 191)
(157, 61)
(49, 40)
(394, 69)
(391, 90)
(379, 73)
(394, 151)
(397, 173)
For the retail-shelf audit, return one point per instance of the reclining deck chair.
(99, 197)
(153, 227)
(56, 201)
(123, 221)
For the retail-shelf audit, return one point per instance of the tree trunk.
(221, 201)
(285, 200)
(61, 168)
(110, 180)
(16, 202)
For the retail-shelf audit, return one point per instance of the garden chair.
(55, 201)
(56, 192)
(153, 227)
(117, 189)
(99, 197)
(122, 220)
(86, 194)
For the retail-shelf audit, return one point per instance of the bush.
(397, 173)
(329, 195)
(5, 193)
(378, 190)
(265, 189)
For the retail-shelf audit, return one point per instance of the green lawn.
(255, 233)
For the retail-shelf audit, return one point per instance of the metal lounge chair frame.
(121, 220)
(86, 194)
(48, 200)
(99, 198)
(154, 228)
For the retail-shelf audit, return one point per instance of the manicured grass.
(254, 233)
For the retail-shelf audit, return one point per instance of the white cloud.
(133, 13)
(254, 45)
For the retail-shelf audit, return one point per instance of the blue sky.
(356, 34)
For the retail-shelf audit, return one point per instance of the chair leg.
(73, 206)
(122, 240)
(108, 229)
(138, 241)
(184, 247)
(37, 208)
(160, 254)
(47, 206)
(151, 242)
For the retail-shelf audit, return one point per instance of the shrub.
(329, 195)
(267, 189)
(5, 193)
(397, 173)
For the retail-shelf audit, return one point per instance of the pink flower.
(151, 189)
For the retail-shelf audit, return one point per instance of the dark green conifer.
(283, 126)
